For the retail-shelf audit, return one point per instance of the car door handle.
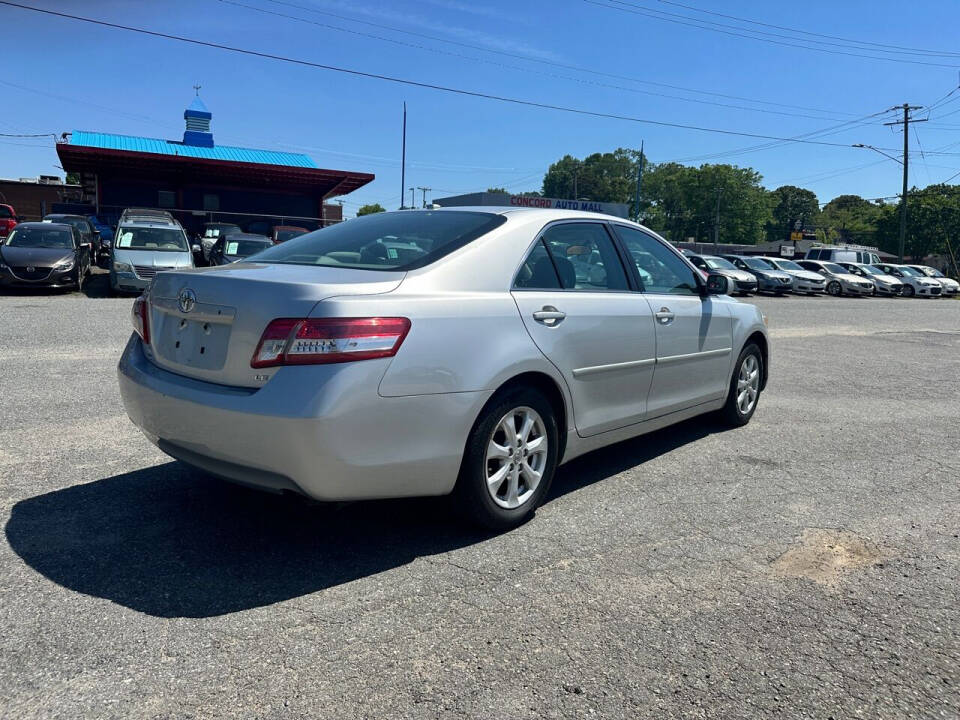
(665, 316)
(549, 315)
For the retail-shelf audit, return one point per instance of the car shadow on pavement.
(168, 542)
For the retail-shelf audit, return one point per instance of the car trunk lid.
(207, 323)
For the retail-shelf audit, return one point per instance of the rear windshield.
(284, 235)
(402, 240)
(154, 239)
(35, 237)
(243, 248)
(79, 223)
(212, 231)
(5, 212)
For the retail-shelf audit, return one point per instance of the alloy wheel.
(834, 288)
(748, 384)
(516, 457)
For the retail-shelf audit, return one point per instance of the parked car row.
(754, 274)
(214, 231)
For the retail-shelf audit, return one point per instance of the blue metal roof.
(131, 143)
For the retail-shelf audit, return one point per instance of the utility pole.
(906, 107)
(403, 158)
(636, 205)
(716, 221)
(425, 191)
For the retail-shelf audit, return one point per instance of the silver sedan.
(427, 352)
(840, 281)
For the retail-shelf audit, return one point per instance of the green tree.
(498, 190)
(371, 209)
(850, 218)
(791, 207)
(683, 202)
(601, 177)
(933, 215)
(73, 178)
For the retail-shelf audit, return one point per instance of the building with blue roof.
(200, 181)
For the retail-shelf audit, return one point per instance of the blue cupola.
(198, 124)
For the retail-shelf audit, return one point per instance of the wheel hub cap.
(516, 457)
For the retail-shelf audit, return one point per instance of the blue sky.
(60, 75)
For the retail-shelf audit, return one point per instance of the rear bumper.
(320, 430)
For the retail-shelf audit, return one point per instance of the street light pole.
(716, 221)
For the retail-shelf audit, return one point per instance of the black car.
(44, 254)
(88, 233)
(237, 246)
(211, 232)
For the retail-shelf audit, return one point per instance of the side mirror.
(196, 249)
(718, 284)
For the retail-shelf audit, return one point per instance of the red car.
(8, 218)
(282, 233)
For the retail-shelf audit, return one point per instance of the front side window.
(156, 239)
(34, 237)
(385, 241)
(660, 270)
(585, 257)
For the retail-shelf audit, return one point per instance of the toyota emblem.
(187, 299)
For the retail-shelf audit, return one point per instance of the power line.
(495, 63)
(742, 32)
(29, 135)
(542, 61)
(891, 48)
(413, 83)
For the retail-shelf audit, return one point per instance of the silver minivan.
(145, 245)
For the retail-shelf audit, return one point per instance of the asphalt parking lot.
(807, 565)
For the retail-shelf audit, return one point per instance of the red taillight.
(290, 341)
(140, 314)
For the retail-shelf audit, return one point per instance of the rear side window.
(385, 241)
(585, 257)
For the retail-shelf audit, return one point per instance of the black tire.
(470, 495)
(909, 291)
(834, 288)
(730, 413)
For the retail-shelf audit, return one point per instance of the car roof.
(149, 222)
(249, 236)
(37, 224)
(64, 215)
(509, 210)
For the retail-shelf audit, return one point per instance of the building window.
(211, 202)
(166, 199)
